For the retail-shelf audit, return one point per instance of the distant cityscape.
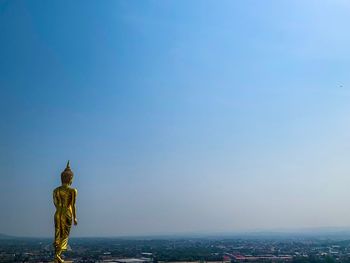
(182, 249)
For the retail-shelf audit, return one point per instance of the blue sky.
(177, 116)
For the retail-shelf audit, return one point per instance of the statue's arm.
(75, 193)
(55, 201)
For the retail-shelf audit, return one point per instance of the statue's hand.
(75, 221)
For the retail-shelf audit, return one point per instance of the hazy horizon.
(322, 232)
(177, 116)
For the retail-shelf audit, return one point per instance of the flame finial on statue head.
(68, 165)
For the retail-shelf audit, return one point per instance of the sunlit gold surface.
(64, 199)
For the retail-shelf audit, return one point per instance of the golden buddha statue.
(64, 199)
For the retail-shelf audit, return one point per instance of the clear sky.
(177, 116)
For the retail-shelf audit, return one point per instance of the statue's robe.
(64, 200)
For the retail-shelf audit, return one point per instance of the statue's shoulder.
(74, 190)
(56, 189)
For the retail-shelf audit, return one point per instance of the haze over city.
(177, 116)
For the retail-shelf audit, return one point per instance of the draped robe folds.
(64, 200)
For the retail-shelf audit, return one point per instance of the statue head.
(67, 175)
